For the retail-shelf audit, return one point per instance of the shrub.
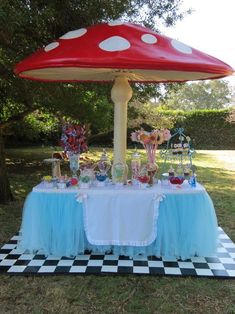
(208, 129)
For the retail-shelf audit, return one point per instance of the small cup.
(47, 184)
(61, 185)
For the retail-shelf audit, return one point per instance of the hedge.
(208, 129)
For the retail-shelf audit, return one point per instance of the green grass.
(115, 294)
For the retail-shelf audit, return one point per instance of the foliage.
(148, 115)
(37, 127)
(208, 129)
(215, 94)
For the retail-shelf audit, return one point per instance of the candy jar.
(152, 169)
(119, 173)
(103, 166)
(85, 178)
(144, 177)
(88, 168)
(74, 163)
(104, 163)
(187, 171)
(101, 178)
(135, 166)
(192, 179)
(180, 171)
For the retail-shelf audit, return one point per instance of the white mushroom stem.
(121, 93)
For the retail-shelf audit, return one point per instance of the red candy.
(143, 179)
(74, 181)
(176, 180)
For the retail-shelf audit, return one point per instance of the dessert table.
(163, 221)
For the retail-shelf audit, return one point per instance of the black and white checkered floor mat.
(13, 261)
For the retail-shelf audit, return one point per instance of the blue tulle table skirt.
(186, 226)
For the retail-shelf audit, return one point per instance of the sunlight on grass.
(212, 159)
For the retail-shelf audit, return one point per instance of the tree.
(26, 25)
(215, 94)
(148, 115)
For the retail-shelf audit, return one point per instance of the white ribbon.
(80, 197)
(159, 198)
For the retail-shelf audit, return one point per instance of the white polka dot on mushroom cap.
(115, 23)
(181, 47)
(74, 34)
(115, 43)
(51, 46)
(149, 39)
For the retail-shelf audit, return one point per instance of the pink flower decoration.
(134, 137)
(166, 134)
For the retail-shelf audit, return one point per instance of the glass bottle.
(118, 173)
(74, 163)
(135, 166)
(103, 165)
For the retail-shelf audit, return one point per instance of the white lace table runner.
(120, 218)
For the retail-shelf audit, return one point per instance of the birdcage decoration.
(178, 154)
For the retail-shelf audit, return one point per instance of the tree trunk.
(5, 190)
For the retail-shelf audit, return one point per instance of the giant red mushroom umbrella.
(119, 52)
